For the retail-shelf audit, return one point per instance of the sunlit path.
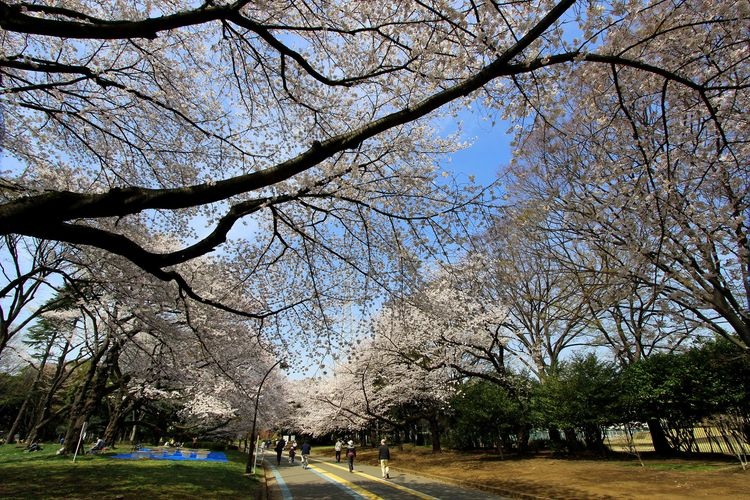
(329, 480)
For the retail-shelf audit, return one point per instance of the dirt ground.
(545, 477)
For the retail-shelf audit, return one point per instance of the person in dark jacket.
(306, 449)
(351, 454)
(280, 444)
(384, 455)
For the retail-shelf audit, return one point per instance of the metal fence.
(698, 439)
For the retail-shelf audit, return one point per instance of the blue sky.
(490, 149)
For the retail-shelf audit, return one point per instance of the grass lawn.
(43, 474)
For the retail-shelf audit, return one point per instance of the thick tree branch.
(40, 213)
(14, 17)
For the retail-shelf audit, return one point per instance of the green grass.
(43, 474)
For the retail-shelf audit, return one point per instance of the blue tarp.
(212, 456)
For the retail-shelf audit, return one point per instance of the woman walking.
(337, 448)
(351, 454)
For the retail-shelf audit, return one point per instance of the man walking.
(280, 444)
(306, 449)
(337, 448)
(384, 455)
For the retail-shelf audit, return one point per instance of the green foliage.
(13, 389)
(726, 376)
(45, 332)
(586, 394)
(582, 392)
(685, 388)
(485, 414)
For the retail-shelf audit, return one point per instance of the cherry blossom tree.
(546, 305)
(288, 135)
(279, 159)
(650, 171)
(308, 121)
(206, 363)
(333, 407)
(377, 387)
(632, 319)
(564, 294)
(503, 308)
(140, 346)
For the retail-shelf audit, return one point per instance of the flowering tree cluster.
(377, 387)
(279, 160)
(131, 356)
(562, 295)
(647, 174)
(306, 121)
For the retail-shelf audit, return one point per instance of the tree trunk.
(571, 440)
(659, 438)
(555, 437)
(91, 392)
(435, 431)
(41, 418)
(77, 417)
(594, 438)
(10, 438)
(117, 415)
(522, 439)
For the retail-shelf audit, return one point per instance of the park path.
(326, 479)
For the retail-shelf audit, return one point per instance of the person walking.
(280, 444)
(351, 454)
(384, 455)
(292, 452)
(306, 449)
(337, 448)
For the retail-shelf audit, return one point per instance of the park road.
(326, 479)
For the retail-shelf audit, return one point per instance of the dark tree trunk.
(10, 438)
(554, 435)
(41, 419)
(571, 440)
(91, 393)
(522, 436)
(435, 431)
(77, 416)
(594, 438)
(659, 438)
(121, 409)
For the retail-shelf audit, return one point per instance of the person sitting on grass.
(98, 446)
(33, 446)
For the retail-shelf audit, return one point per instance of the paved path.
(326, 479)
